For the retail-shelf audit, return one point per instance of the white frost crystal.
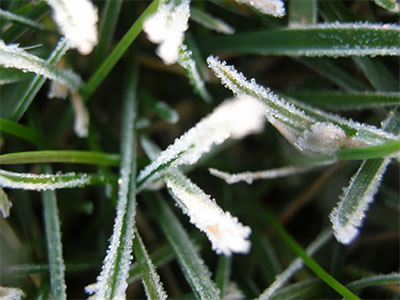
(167, 27)
(225, 232)
(234, 118)
(7, 293)
(275, 8)
(77, 20)
(81, 124)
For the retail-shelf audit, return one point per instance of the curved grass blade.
(101, 73)
(13, 57)
(25, 133)
(306, 128)
(150, 278)
(6, 15)
(54, 245)
(28, 181)
(60, 156)
(22, 105)
(375, 280)
(210, 21)
(193, 267)
(308, 261)
(353, 100)
(333, 40)
(113, 279)
(296, 265)
(348, 215)
(390, 5)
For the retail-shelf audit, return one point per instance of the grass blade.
(333, 40)
(13, 57)
(150, 278)
(34, 182)
(19, 108)
(26, 133)
(162, 109)
(8, 76)
(390, 5)
(193, 267)
(310, 263)
(54, 245)
(354, 100)
(210, 21)
(101, 73)
(375, 280)
(60, 156)
(302, 12)
(113, 279)
(223, 273)
(6, 15)
(296, 265)
(5, 204)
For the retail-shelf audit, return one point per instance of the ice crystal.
(275, 8)
(7, 293)
(226, 233)
(166, 27)
(234, 118)
(77, 20)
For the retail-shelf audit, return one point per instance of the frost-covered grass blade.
(193, 267)
(375, 280)
(6, 15)
(113, 279)
(150, 278)
(5, 204)
(333, 40)
(11, 56)
(210, 21)
(42, 182)
(275, 8)
(9, 293)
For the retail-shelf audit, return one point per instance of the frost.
(11, 56)
(57, 90)
(186, 61)
(300, 123)
(296, 265)
(28, 181)
(348, 215)
(81, 123)
(226, 233)
(234, 118)
(232, 292)
(7, 293)
(5, 204)
(275, 8)
(249, 177)
(166, 27)
(20, 19)
(77, 20)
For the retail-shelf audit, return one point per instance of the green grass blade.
(223, 273)
(26, 133)
(54, 245)
(390, 5)
(210, 21)
(150, 278)
(101, 73)
(310, 263)
(375, 280)
(193, 267)
(106, 29)
(302, 12)
(19, 108)
(387, 149)
(8, 76)
(60, 156)
(28, 181)
(329, 70)
(113, 279)
(337, 40)
(6, 15)
(14, 57)
(296, 265)
(162, 109)
(299, 290)
(354, 100)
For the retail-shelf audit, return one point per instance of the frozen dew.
(275, 8)
(81, 123)
(166, 27)
(8, 293)
(77, 20)
(226, 233)
(234, 118)
(347, 216)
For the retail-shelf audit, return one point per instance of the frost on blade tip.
(7, 293)
(167, 27)
(57, 90)
(81, 124)
(275, 8)
(234, 118)
(186, 61)
(226, 233)
(347, 216)
(77, 20)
